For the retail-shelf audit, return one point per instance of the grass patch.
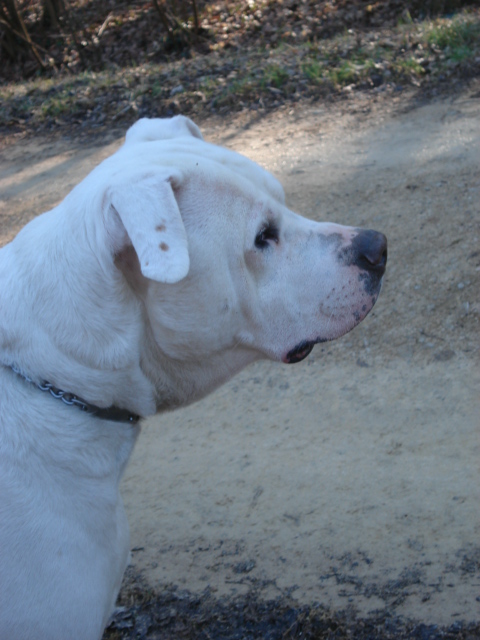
(314, 71)
(345, 73)
(457, 38)
(275, 76)
(456, 33)
(409, 66)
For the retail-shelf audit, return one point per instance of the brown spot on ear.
(161, 227)
(164, 246)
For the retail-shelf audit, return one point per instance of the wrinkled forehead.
(191, 154)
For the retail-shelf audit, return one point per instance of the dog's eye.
(265, 236)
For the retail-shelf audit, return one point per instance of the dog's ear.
(143, 212)
(150, 129)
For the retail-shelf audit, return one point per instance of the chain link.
(67, 398)
(72, 400)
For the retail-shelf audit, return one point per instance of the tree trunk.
(18, 39)
(52, 11)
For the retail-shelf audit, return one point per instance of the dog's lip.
(301, 351)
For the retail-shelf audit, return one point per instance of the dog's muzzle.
(368, 252)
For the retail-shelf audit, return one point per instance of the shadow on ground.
(176, 614)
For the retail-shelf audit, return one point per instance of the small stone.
(178, 89)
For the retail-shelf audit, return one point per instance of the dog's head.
(225, 271)
(173, 265)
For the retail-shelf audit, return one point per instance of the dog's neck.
(114, 414)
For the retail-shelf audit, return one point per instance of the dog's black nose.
(370, 251)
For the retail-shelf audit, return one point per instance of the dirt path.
(351, 479)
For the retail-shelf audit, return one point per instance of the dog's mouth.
(301, 351)
(304, 348)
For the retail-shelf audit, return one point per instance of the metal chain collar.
(70, 399)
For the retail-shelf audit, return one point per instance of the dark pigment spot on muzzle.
(370, 282)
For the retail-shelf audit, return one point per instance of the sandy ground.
(353, 478)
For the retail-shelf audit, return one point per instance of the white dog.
(172, 266)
